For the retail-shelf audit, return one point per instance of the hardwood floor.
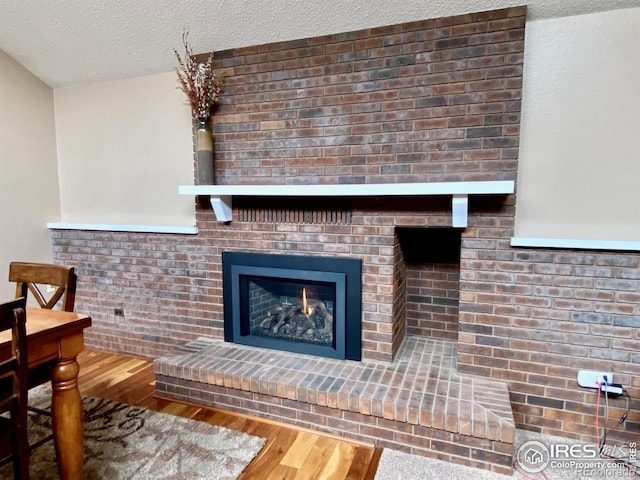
(289, 454)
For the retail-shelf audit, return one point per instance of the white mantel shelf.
(221, 195)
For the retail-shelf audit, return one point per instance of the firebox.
(298, 303)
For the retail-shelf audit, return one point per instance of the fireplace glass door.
(295, 310)
(286, 309)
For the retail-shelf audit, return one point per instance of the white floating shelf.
(123, 228)
(576, 244)
(221, 195)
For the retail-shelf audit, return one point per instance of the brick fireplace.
(432, 102)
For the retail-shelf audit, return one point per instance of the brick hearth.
(417, 403)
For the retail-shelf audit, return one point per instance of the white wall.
(29, 177)
(579, 167)
(123, 148)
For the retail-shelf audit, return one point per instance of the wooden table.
(57, 336)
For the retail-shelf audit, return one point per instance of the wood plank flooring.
(290, 453)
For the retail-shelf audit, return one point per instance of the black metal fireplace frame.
(346, 273)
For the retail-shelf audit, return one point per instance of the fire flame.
(304, 300)
(305, 309)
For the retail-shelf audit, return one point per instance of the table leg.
(66, 410)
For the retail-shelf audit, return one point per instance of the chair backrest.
(15, 369)
(13, 317)
(29, 276)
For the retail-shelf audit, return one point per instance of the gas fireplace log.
(286, 321)
(302, 323)
(272, 316)
(293, 320)
(321, 317)
(285, 315)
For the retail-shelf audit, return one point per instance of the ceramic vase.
(204, 153)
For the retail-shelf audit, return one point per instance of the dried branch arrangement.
(197, 80)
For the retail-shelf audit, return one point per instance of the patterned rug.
(126, 442)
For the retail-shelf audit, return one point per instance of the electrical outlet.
(51, 288)
(118, 312)
(593, 378)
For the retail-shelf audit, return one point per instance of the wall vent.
(331, 210)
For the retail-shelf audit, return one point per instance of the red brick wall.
(399, 305)
(534, 317)
(432, 300)
(435, 100)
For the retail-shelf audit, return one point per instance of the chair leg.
(21, 455)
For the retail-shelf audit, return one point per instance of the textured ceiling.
(67, 42)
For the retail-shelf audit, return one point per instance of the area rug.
(395, 465)
(126, 442)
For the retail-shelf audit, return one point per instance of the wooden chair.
(13, 388)
(32, 276)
